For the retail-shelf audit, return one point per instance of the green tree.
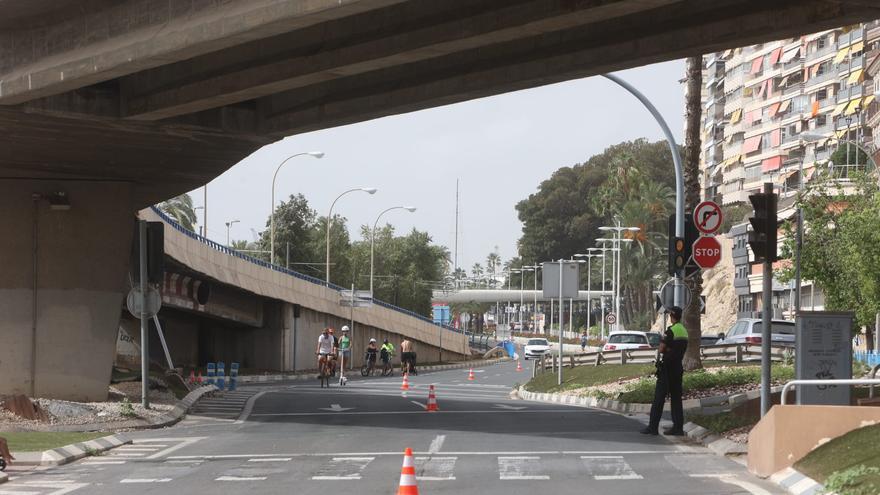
(180, 208)
(294, 226)
(341, 266)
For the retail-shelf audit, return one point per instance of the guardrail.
(855, 381)
(482, 342)
(737, 353)
(265, 264)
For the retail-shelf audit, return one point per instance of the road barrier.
(737, 353)
(861, 381)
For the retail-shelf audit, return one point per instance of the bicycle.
(324, 371)
(369, 366)
(388, 368)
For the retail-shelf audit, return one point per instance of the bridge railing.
(265, 264)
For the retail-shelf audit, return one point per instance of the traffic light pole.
(767, 312)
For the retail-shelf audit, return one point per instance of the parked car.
(535, 348)
(626, 340)
(654, 338)
(748, 331)
(708, 340)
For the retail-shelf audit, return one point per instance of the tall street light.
(368, 190)
(535, 267)
(507, 309)
(316, 154)
(570, 300)
(589, 257)
(604, 249)
(618, 232)
(228, 225)
(410, 209)
(522, 276)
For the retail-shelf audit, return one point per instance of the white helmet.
(344, 328)
(372, 341)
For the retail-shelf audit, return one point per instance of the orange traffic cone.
(199, 378)
(518, 365)
(192, 377)
(408, 484)
(471, 374)
(405, 384)
(432, 400)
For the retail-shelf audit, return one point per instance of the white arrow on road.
(510, 408)
(335, 408)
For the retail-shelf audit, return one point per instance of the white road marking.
(241, 478)
(343, 468)
(423, 406)
(436, 444)
(384, 413)
(519, 468)
(17, 492)
(509, 408)
(137, 449)
(397, 453)
(731, 480)
(184, 461)
(123, 454)
(609, 467)
(248, 408)
(435, 468)
(145, 480)
(185, 442)
(335, 408)
(149, 443)
(271, 459)
(96, 463)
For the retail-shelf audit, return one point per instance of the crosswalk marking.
(271, 459)
(58, 487)
(241, 478)
(519, 468)
(609, 467)
(435, 468)
(98, 463)
(145, 480)
(343, 468)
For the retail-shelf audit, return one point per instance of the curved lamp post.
(368, 190)
(316, 154)
(228, 225)
(410, 209)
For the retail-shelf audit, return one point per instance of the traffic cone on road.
(192, 377)
(432, 400)
(471, 374)
(199, 378)
(405, 384)
(518, 365)
(408, 484)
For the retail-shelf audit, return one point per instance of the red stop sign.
(707, 252)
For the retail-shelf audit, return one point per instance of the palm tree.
(493, 263)
(180, 208)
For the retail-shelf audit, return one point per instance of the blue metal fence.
(871, 358)
(265, 264)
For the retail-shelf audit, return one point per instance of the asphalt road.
(301, 439)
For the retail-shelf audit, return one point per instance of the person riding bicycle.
(407, 356)
(386, 352)
(326, 348)
(372, 351)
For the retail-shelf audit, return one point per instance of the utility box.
(823, 352)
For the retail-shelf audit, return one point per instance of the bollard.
(210, 372)
(233, 376)
(221, 375)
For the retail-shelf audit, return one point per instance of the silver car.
(748, 331)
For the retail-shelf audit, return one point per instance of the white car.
(627, 340)
(535, 348)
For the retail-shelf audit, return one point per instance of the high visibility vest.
(678, 331)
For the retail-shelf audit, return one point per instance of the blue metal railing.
(265, 264)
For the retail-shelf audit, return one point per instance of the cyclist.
(325, 349)
(386, 352)
(345, 348)
(372, 351)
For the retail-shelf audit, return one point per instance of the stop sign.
(707, 252)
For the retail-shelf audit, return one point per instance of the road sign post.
(707, 252)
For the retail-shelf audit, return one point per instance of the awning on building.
(783, 107)
(736, 116)
(756, 65)
(770, 164)
(839, 109)
(841, 55)
(855, 77)
(857, 47)
(853, 105)
(867, 101)
(774, 56)
(752, 144)
(774, 109)
(790, 54)
(775, 137)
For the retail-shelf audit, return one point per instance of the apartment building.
(771, 113)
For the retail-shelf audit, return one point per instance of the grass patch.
(719, 423)
(586, 376)
(38, 441)
(849, 464)
(643, 391)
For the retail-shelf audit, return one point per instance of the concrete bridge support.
(65, 263)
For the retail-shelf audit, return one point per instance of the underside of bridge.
(113, 105)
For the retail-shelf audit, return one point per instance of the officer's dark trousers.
(668, 383)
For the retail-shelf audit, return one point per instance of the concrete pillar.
(81, 259)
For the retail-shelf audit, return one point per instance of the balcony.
(829, 75)
(850, 93)
(828, 49)
(793, 89)
(850, 38)
(850, 65)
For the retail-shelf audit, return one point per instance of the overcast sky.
(500, 148)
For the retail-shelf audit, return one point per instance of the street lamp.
(522, 271)
(618, 230)
(368, 190)
(316, 154)
(535, 267)
(589, 258)
(571, 300)
(507, 309)
(197, 208)
(410, 209)
(229, 224)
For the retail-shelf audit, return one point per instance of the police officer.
(669, 376)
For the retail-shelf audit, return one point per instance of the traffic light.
(762, 238)
(680, 248)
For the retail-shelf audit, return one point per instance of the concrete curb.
(251, 379)
(715, 443)
(3, 477)
(70, 453)
(797, 483)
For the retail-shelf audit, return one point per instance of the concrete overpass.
(504, 295)
(108, 106)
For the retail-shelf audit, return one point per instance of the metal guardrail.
(265, 264)
(854, 381)
(736, 353)
(873, 376)
(483, 342)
